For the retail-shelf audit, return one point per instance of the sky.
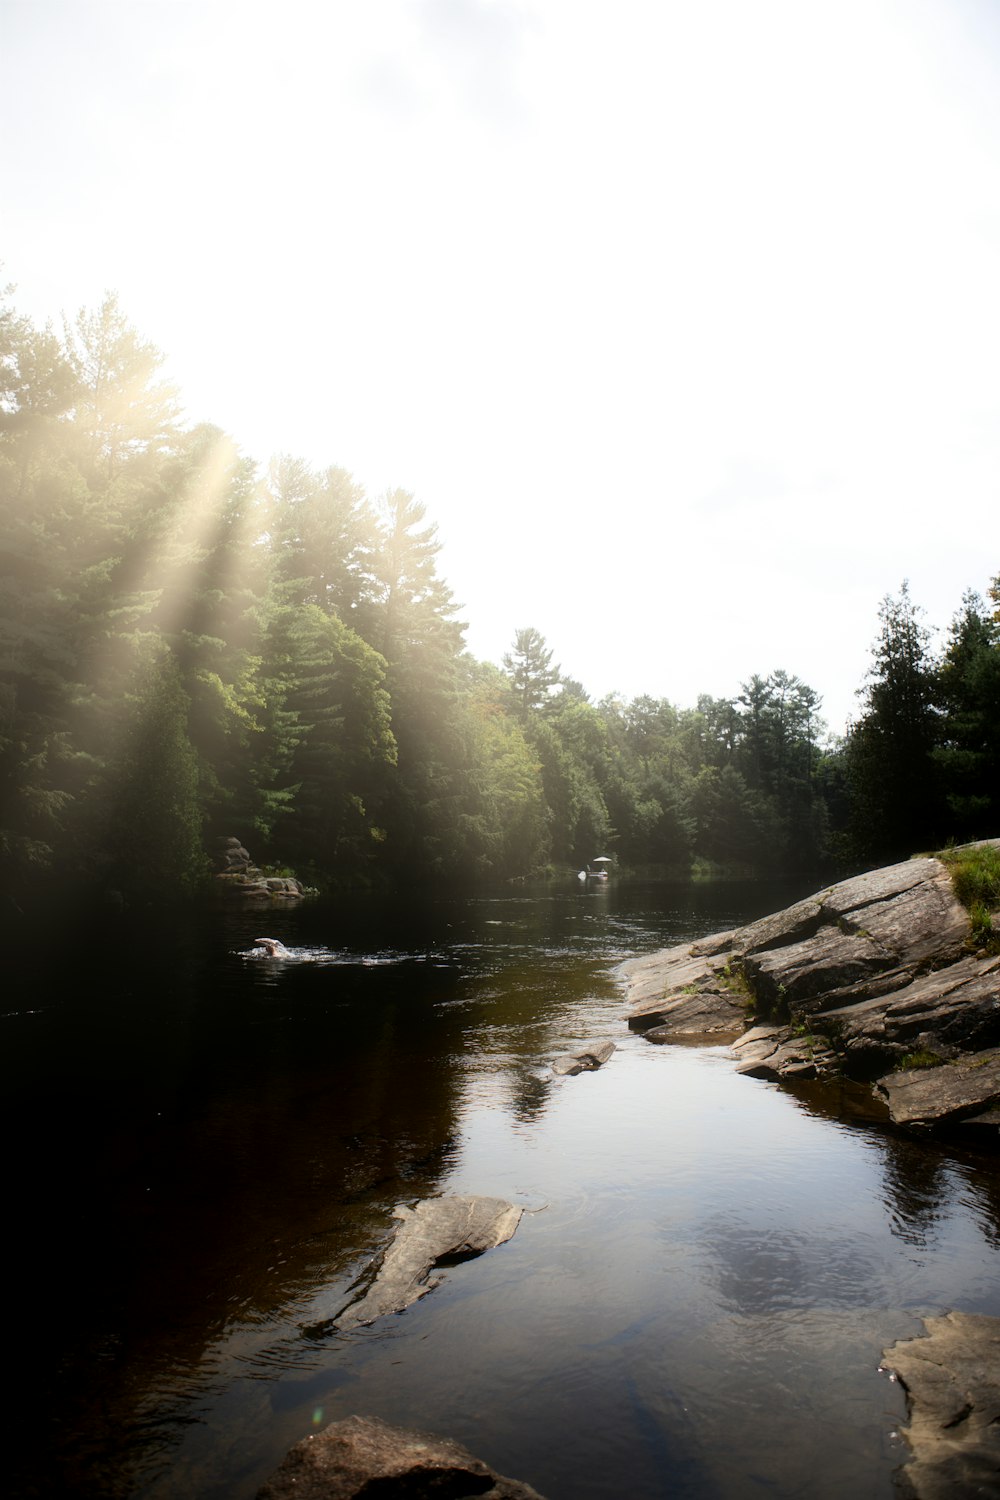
(681, 319)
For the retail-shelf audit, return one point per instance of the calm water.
(207, 1146)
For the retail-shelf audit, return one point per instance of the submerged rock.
(952, 1382)
(435, 1230)
(365, 1457)
(571, 1063)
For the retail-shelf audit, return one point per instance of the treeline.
(190, 648)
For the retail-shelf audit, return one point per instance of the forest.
(193, 648)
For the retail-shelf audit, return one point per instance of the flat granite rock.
(436, 1229)
(952, 1382)
(363, 1457)
(682, 993)
(591, 1058)
(948, 1094)
(776, 1053)
(959, 1005)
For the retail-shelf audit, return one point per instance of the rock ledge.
(872, 979)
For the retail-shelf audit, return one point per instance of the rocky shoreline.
(879, 981)
(235, 874)
(876, 980)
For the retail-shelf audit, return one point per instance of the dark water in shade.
(205, 1146)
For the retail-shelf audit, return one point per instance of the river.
(206, 1146)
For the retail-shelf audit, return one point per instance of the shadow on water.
(208, 1142)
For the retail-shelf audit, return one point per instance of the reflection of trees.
(923, 1180)
(916, 1182)
(920, 1175)
(243, 1149)
(529, 1095)
(980, 1176)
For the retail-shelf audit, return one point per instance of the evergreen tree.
(897, 805)
(123, 414)
(531, 673)
(152, 834)
(968, 755)
(323, 537)
(327, 697)
(412, 625)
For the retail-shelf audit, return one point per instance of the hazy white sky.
(682, 317)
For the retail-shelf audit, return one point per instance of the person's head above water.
(274, 948)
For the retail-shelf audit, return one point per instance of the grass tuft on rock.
(975, 878)
(919, 1059)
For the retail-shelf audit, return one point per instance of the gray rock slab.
(852, 896)
(873, 968)
(436, 1229)
(777, 1053)
(647, 979)
(954, 1006)
(362, 1456)
(868, 934)
(952, 1382)
(946, 1094)
(801, 974)
(712, 1013)
(715, 943)
(926, 920)
(682, 995)
(592, 1057)
(784, 927)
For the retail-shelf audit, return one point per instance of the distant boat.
(596, 871)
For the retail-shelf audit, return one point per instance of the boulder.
(571, 1063)
(436, 1229)
(236, 873)
(365, 1457)
(952, 1382)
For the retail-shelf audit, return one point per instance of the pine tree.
(531, 673)
(897, 805)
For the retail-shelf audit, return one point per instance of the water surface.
(209, 1144)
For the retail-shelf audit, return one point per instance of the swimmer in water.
(273, 948)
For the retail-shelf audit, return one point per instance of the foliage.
(896, 795)
(914, 1061)
(531, 673)
(975, 878)
(190, 649)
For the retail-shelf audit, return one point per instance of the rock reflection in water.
(212, 1148)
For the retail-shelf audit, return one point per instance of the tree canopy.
(191, 648)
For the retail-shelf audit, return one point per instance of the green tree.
(895, 791)
(152, 833)
(323, 539)
(968, 755)
(123, 414)
(531, 673)
(412, 624)
(328, 701)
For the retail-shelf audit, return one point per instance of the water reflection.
(699, 1303)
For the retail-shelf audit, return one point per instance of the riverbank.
(884, 980)
(890, 982)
